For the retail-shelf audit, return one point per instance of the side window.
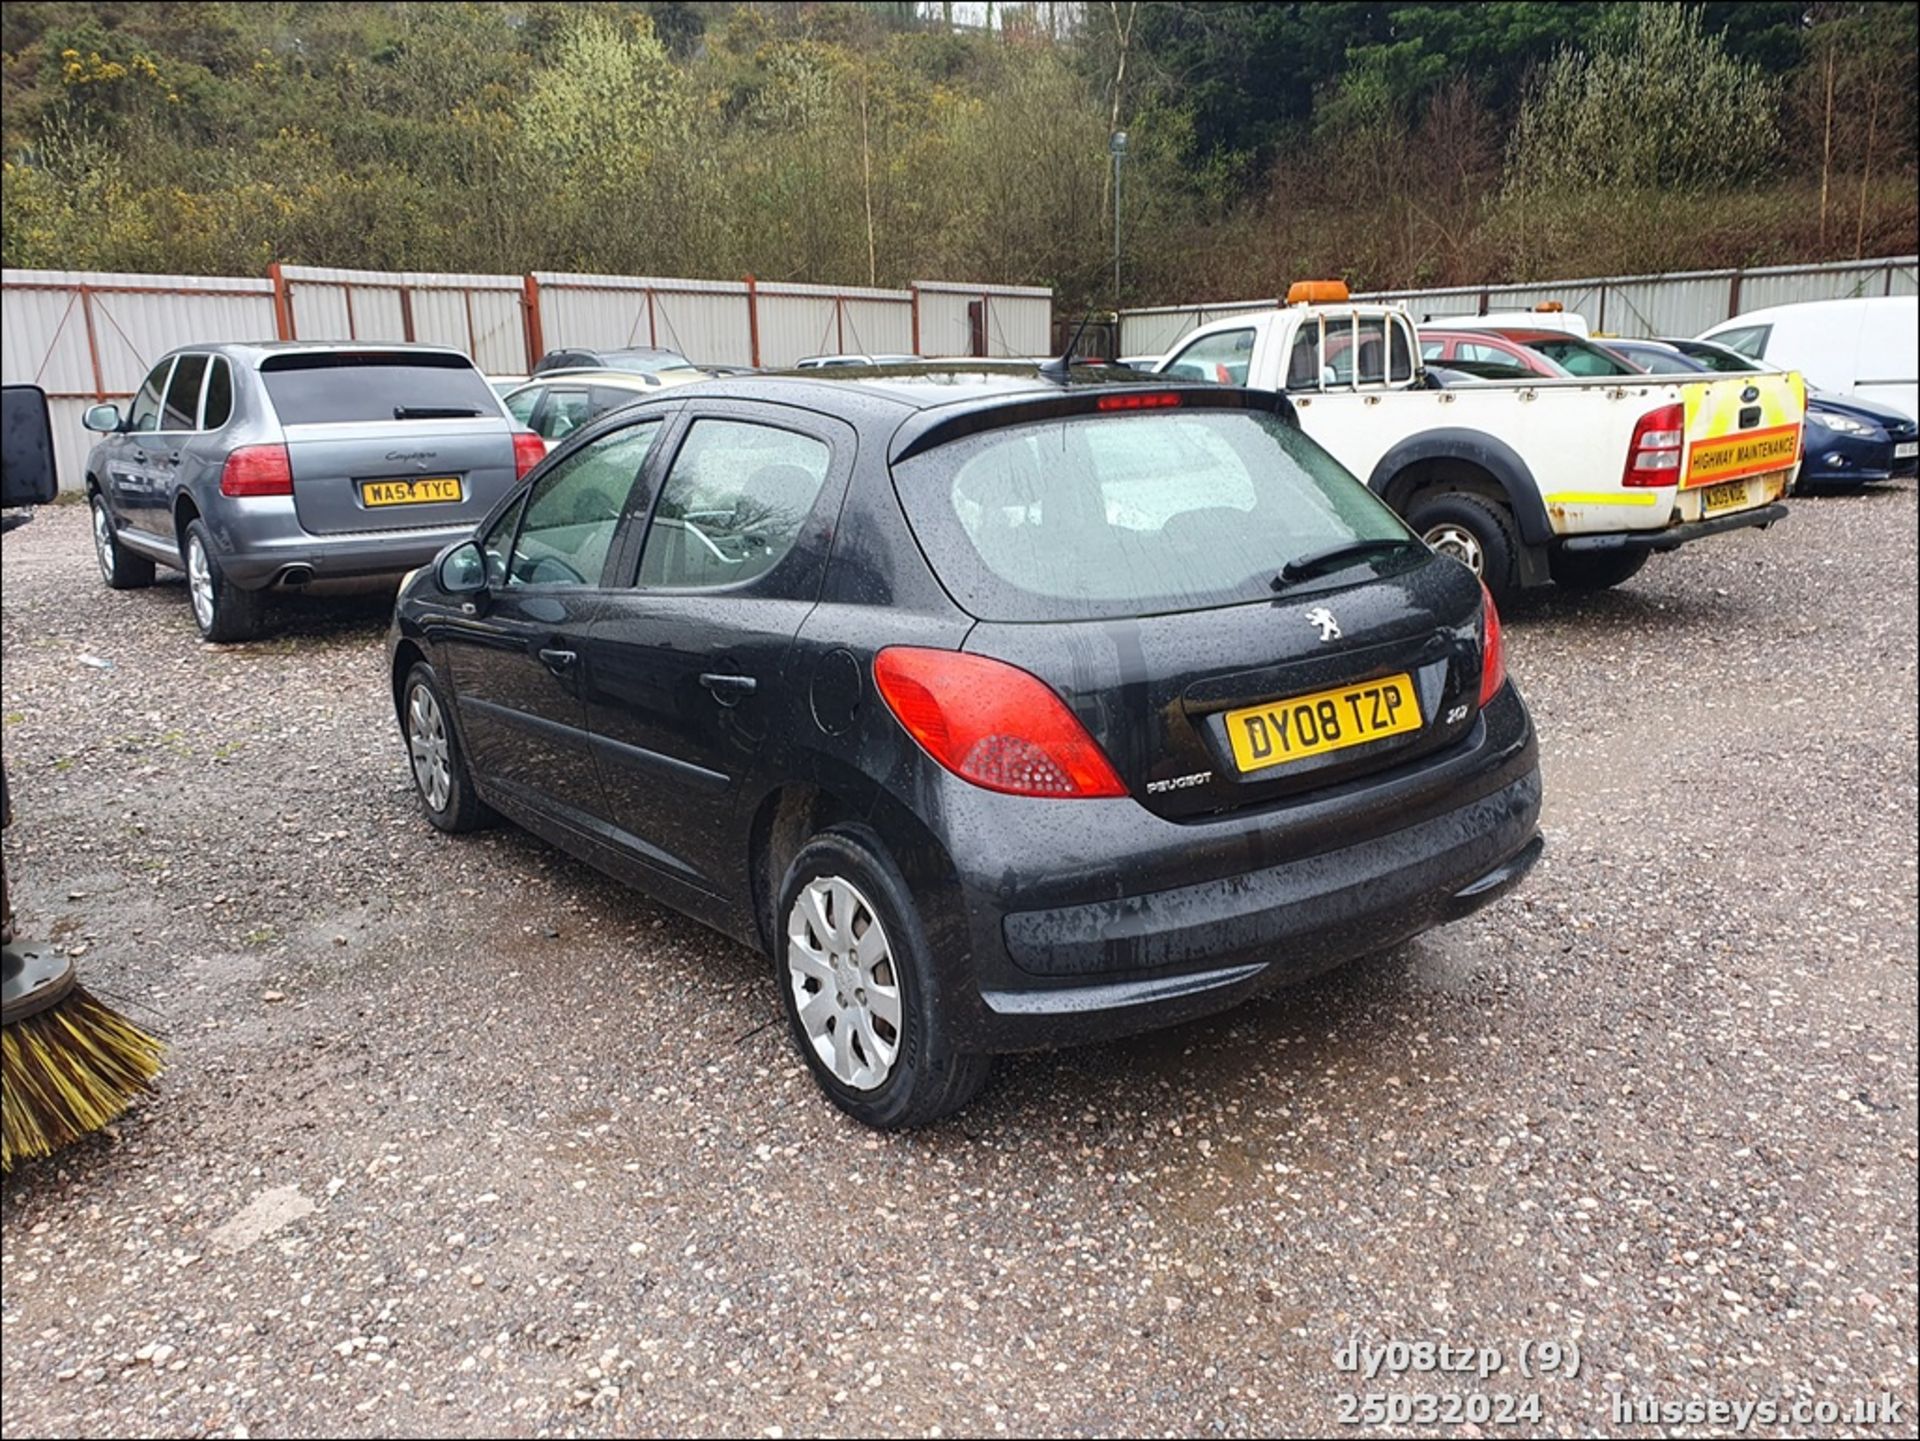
(1432, 349)
(498, 541)
(1750, 342)
(1400, 352)
(217, 408)
(565, 412)
(182, 410)
(572, 513)
(1303, 362)
(732, 505)
(521, 403)
(146, 405)
(1224, 358)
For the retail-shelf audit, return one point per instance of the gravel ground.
(459, 1138)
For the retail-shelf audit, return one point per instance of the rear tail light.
(528, 451)
(1653, 457)
(992, 724)
(1493, 648)
(257, 470)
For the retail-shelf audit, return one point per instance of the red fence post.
(653, 331)
(913, 305)
(530, 305)
(753, 322)
(282, 303)
(406, 312)
(93, 345)
(1733, 294)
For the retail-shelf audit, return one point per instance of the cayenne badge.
(1322, 617)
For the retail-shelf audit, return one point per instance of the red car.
(1485, 347)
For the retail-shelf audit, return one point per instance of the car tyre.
(1477, 532)
(222, 610)
(119, 567)
(1595, 569)
(440, 776)
(868, 1016)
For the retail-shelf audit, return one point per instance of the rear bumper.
(1675, 536)
(261, 543)
(1256, 910)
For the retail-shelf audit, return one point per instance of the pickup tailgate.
(1742, 428)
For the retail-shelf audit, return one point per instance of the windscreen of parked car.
(1579, 357)
(1662, 362)
(328, 387)
(1726, 362)
(1120, 515)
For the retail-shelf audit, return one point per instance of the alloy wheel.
(200, 582)
(103, 539)
(846, 988)
(427, 744)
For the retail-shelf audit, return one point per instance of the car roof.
(1528, 337)
(920, 386)
(624, 379)
(254, 351)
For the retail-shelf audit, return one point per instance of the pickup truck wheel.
(222, 610)
(120, 568)
(1595, 569)
(1475, 531)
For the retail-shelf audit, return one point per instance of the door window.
(146, 405)
(733, 504)
(1224, 358)
(1303, 362)
(572, 513)
(565, 412)
(217, 408)
(182, 410)
(521, 403)
(1750, 341)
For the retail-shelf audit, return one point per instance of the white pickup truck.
(1575, 481)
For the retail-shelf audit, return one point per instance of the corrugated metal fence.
(89, 336)
(1685, 303)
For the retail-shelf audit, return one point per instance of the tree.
(1662, 107)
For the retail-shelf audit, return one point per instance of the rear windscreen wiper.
(433, 412)
(1302, 566)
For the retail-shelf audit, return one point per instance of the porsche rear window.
(322, 387)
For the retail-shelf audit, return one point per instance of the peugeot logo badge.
(1322, 617)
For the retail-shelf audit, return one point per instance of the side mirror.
(1328, 376)
(462, 570)
(105, 418)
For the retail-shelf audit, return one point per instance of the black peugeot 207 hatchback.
(1005, 710)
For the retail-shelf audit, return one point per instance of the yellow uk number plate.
(1718, 498)
(1328, 720)
(428, 490)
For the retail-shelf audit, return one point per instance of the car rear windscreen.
(1103, 516)
(326, 387)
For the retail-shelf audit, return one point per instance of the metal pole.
(1116, 227)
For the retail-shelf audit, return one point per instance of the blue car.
(1848, 441)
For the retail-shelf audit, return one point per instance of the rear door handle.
(560, 662)
(728, 688)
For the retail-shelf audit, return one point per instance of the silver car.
(255, 467)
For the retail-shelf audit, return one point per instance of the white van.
(1868, 347)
